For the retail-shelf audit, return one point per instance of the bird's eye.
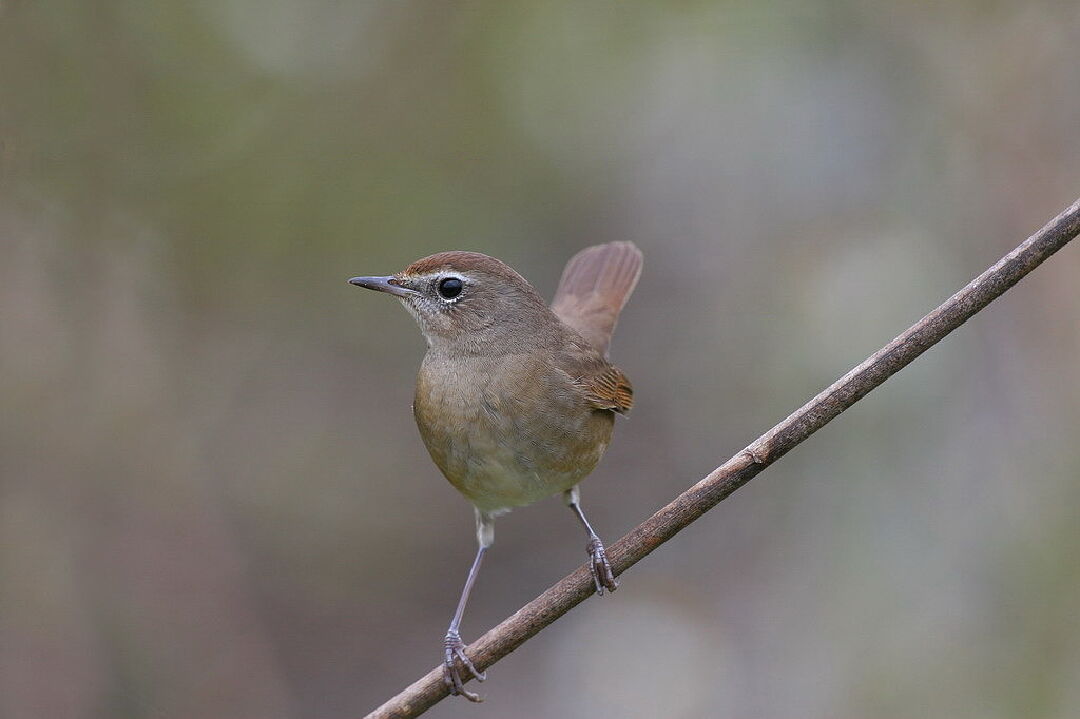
(450, 287)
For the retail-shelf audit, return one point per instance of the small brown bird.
(515, 401)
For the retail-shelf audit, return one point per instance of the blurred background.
(213, 499)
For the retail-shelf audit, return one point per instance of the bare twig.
(744, 466)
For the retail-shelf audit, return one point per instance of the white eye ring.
(449, 288)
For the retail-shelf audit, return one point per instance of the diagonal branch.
(744, 466)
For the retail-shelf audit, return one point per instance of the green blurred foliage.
(212, 498)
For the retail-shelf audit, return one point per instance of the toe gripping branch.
(453, 662)
(602, 575)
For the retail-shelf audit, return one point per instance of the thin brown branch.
(744, 466)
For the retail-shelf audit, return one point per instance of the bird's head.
(467, 301)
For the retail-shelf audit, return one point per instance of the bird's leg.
(601, 569)
(454, 659)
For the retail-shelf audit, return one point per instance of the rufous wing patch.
(609, 389)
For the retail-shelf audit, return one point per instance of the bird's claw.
(453, 662)
(601, 568)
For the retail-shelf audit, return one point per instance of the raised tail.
(595, 285)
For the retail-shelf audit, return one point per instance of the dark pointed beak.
(382, 284)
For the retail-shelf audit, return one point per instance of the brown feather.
(594, 287)
(464, 262)
(610, 389)
(513, 402)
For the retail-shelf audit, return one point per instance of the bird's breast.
(507, 431)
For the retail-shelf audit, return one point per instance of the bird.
(515, 400)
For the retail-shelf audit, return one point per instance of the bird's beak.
(383, 284)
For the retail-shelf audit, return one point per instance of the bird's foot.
(454, 662)
(601, 568)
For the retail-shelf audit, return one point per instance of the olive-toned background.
(213, 500)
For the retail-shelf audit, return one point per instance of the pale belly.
(504, 450)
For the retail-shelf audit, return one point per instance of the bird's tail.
(595, 285)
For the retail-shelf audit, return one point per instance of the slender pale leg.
(601, 569)
(454, 649)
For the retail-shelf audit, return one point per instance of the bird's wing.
(609, 389)
(594, 287)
